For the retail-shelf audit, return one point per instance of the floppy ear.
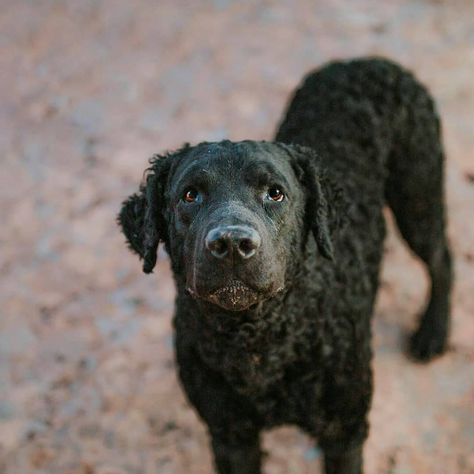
(141, 217)
(326, 207)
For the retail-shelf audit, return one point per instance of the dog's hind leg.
(415, 194)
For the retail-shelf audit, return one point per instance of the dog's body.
(273, 325)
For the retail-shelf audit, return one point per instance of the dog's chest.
(279, 384)
(263, 362)
(250, 366)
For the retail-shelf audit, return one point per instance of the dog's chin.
(234, 296)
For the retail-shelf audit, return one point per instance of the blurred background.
(88, 91)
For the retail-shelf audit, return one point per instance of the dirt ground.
(89, 90)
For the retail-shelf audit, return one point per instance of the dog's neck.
(252, 349)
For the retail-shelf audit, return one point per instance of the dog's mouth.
(234, 296)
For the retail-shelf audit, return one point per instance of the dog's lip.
(234, 296)
(233, 286)
(235, 291)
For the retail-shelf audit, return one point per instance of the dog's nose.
(233, 241)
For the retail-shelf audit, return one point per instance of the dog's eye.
(191, 195)
(275, 194)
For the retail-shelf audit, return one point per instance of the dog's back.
(376, 127)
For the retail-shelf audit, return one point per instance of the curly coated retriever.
(276, 250)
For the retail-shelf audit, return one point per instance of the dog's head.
(234, 217)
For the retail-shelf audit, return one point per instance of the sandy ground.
(89, 90)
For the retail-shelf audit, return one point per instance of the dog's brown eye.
(191, 195)
(275, 194)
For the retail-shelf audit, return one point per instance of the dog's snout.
(233, 241)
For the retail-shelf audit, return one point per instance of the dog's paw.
(427, 342)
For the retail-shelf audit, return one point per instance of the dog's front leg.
(243, 457)
(346, 462)
(346, 426)
(232, 423)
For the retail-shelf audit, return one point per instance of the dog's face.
(233, 216)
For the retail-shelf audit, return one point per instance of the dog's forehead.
(233, 160)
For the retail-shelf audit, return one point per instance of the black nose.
(233, 241)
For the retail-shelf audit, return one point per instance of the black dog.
(276, 248)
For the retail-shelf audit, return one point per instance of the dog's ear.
(141, 217)
(326, 206)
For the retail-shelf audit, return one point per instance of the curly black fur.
(294, 347)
